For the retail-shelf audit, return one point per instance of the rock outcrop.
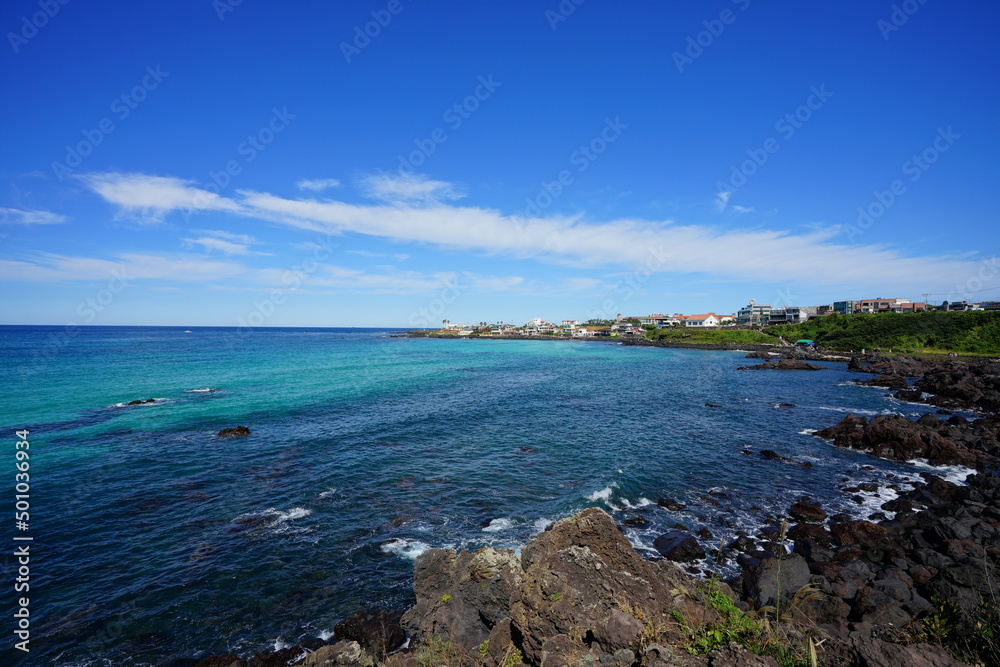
(955, 442)
(577, 589)
(892, 381)
(783, 365)
(956, 383)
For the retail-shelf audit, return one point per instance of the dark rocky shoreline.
(784, 351)
(857, 592)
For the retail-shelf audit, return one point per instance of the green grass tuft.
(972, 332)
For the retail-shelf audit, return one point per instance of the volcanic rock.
(679, 546)
(783, 365)
(763, 581)
(808, 512)
(671, 504)
(378, 632)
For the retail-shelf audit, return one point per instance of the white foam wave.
(541, 524)
(954, 474)
(496, 525)
(604, 494)
(200, 391)
(272, 520)
(859, 411)
(872, 502)
(808, 431)
(294, 513)
(405, 548)
(327, 493)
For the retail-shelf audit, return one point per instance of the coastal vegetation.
(973, 332)
(753, 630)
(926, 332)
(713, 336)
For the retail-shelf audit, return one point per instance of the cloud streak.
(413, 188)
(318, 184)
(225, 242)
(16, 216)
(147, 199)
(48, 267)
(414, 215)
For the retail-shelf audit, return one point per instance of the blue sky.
(270, 164)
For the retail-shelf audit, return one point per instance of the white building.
(704, 320)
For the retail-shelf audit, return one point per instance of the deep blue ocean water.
(154, 539)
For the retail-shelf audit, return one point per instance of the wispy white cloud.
(226, 242)
(147, 199)
(16, 216)
(48, 267)
(661, 246)
(317, 184)
(223, 246)
(394, 281)
(722, 199)
(413, 188)
(400, 256)
(245, 239)
(743, 209)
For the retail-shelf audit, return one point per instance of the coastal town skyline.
(752, 314)
(676, 163)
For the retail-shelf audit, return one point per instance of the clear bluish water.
(154, 539)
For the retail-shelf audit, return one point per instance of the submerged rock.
(671, 504)
(783, 365)
(234, 431)
(679, 546)
(891, 381)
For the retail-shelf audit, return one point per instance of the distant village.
(752, 315)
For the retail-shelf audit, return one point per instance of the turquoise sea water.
(155, 540)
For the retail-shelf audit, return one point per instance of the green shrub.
(972, 332)
(753, 631)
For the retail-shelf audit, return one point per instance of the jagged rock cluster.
(783, 365)
(957, 441)
(953, 384)
(580, 594)
(878, 579)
